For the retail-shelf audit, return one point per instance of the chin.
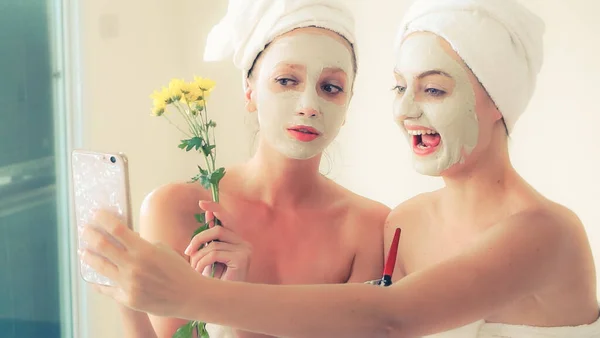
(427, 169)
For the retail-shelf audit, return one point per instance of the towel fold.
(250, 25)
(500, 40)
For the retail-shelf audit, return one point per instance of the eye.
(435, 92)
(399, 89)
(331, 89)
(286, 82)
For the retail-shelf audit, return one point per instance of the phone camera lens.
(113, 159)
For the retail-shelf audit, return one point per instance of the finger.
(223, 257)
(210, 218)
(102, 265)
(101, 243)
(214, 246)
(110, 223)
(217, 209)
(216, 233)
(219, 270)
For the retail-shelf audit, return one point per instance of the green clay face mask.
(298, 119)
(441, 128)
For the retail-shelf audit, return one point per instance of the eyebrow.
(434, 72)
(334, 70)
(290, 65)
(427, 73)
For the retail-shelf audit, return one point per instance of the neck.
(278, 180)
(479, 188)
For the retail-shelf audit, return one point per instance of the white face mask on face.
(442, 130)
(300, 119)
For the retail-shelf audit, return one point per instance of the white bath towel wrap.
(500, 40)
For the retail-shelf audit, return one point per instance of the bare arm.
(162, 220)
(514, 260)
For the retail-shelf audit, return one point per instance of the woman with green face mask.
(289, 224)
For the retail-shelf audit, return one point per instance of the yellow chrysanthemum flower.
(204, 84)
(192, 93)
(159, 108)
(159, 101)
(177, 88)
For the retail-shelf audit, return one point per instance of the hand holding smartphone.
(100, 182)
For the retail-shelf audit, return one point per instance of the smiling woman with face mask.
(485, 257)
(298, 67)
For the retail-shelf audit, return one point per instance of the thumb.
(217, 210)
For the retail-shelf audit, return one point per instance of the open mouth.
(424, 141)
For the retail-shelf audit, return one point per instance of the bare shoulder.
(174, 197)
(547, 221)
(407, 213)
(552, 226)
(368, 212)
(167, 213)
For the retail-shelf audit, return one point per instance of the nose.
(407, 108)
(308, 112)
(308, 105)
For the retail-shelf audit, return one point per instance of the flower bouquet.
(188, 99)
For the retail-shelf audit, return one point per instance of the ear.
(249, 94)
(496, 114)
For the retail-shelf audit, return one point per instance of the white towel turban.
(500, 40)
(250, 25)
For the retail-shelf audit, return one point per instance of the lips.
(305, 130)
(303, 133)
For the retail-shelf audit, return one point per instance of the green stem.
(206, 122)
(171, 122)
(187, 118)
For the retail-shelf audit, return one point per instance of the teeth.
(421, 132)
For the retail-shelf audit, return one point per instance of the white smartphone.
(100, 181)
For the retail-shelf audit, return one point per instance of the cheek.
(397, 109)
(340, 99)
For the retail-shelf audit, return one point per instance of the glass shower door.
(35, 289)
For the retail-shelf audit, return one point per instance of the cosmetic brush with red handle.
(391, 260)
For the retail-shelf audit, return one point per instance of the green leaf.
(193, 143)
(205, 181)
(195, 178)
(183, 144)
(202, 331)
(200, 218)
(217, 175)
(186, 330)
(207, 148)
(202, 171)
(196, 143)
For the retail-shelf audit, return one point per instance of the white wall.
(131, 48)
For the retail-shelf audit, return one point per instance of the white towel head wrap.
(499, 40)
(250, 25)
